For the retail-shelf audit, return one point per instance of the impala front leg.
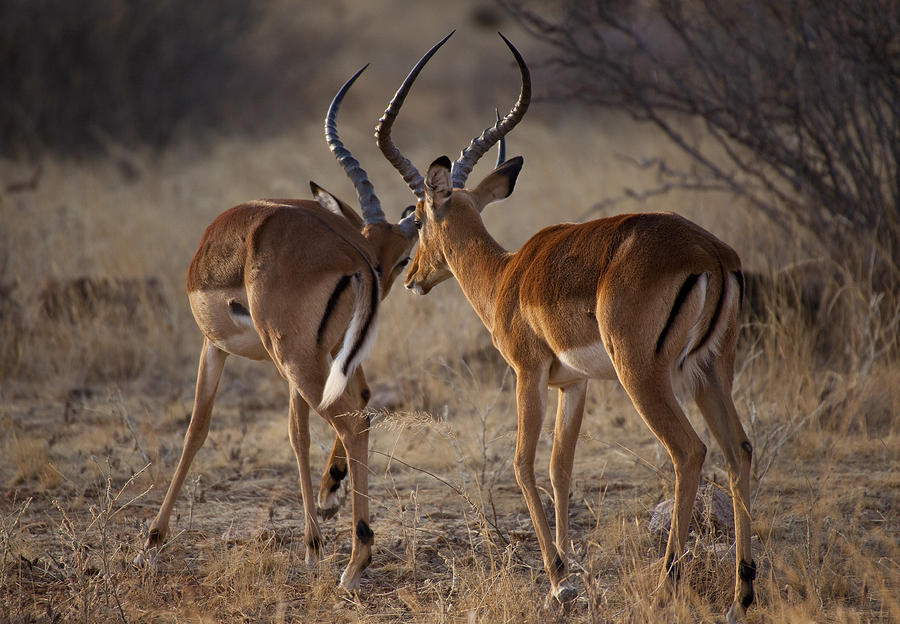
(209, 371)
(570, 410)
(531, 396)
(335, 471)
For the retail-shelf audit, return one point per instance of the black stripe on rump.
(329, 308)
(373, 307)
(679, 301)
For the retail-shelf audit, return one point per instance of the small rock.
(713, 511)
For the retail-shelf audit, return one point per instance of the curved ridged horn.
(401, 163)
(368, 201)
(479, 145)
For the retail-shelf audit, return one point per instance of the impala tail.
(705, 337)
(358, 339)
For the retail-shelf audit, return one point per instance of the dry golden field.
(94, 404)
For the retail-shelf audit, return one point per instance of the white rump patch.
(694, 332)
(688, 373)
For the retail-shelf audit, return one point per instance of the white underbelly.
(233, 333)
(590, 361)
(246, 344)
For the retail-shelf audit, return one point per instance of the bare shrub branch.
(801, 100)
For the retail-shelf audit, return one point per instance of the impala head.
(446, 207)
(391, 243)
(442, 196)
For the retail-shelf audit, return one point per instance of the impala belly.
(591, 361)
(224, 318)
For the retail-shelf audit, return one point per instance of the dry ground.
(93, 412)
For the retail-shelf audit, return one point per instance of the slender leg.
(336, 467)
(335, 471)
(714, 400)
(654, 399)
(353, 429)
(212, 361)
(299, 435)
(569, 413)
(301, 360)
(531, 396)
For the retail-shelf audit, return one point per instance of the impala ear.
(437, 183)
(499, 183)
(333, 204)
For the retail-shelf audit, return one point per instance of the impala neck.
(476, 261)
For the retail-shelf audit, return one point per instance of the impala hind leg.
(336, 466)
(714, 400)
(569, 413)
(352, 427)
(299, 435)
(209, 371)
(656, 402)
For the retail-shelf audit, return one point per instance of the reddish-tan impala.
(649, 299)
(297, 281)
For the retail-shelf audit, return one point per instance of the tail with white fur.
(358, 339)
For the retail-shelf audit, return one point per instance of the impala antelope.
(649, 299)
(297, 282)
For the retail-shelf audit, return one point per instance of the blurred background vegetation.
(797, 103)
(780, 121)
(136, 72)
(79, 75)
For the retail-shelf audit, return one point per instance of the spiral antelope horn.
(401, 163)
(480, 145)
(368, 201)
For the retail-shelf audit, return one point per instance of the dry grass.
(92, 416)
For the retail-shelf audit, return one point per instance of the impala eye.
(403, 262)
